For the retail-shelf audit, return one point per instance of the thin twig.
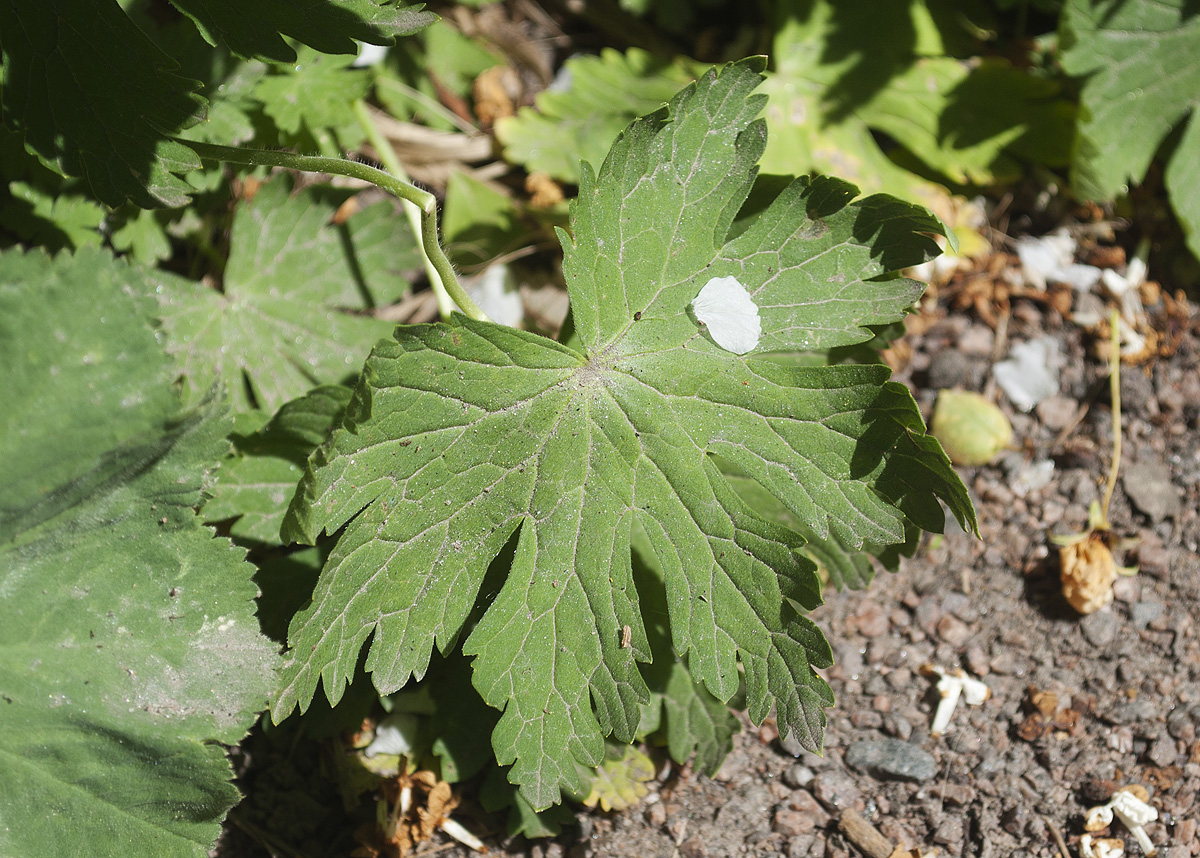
(1114, 381)
(1058, 838)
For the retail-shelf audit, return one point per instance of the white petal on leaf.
(730, 314)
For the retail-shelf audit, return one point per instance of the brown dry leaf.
(1069, 721)
(412, 818)
(496, 91)
(543, 191)
(345, 211)
(1164, 778)
(1088, 573)
(1033, 727)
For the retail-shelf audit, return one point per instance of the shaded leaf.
(597, 97)
(330, 26)
(1142, 63)
(130, 646)
(256, 484)
(95, 98)
(291, 315)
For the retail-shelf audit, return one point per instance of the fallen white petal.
(369, 55)
(1042, 259)
(1031, 372)
(463, 836)
(1105, 847)
(974, 691)
(950, 688)
(395, 735)
(1134, 813)
(730, 314)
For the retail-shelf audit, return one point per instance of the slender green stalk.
(390, 160)
(1114, 386)
(354, 170)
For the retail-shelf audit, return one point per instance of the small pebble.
(950, 834)
(960, 605)
(927, 614)
(1162, 751)
(836, 790)
(891, 759)
(1143, 614)
(872, 620)
(953, 630)
(798, 776)
(977, 661)
(802, 846)
(1148, 486)
(791, 823)
(1056, 412)
(1100, 628)
(802, 801)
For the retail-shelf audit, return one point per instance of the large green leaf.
(459, 435)
(691, 722)
(291, 314)
(1142, 59)
(94, 97)
(843, 71)
(129, 646)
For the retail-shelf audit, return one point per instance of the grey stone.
(798, 776)
(951, 368)
(1148, 486)
(1144, 613)
(836, 790)
(891, 759)
(1100, 628)
(1162, 751)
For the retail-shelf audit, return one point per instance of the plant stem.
(1114, 386)
(425, 201)
(390, 160)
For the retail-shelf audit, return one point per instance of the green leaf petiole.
(425, 201)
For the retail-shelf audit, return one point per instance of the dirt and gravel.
(1079, 706)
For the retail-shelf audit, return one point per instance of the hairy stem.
(423, 200)
(390, 160)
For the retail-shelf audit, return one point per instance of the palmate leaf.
(459, 435)
(602, 94)
(129, 646)
(296, 285)
(843, 71)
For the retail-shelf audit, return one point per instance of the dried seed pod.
(1088, 572)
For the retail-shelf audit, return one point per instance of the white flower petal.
(730, 314)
